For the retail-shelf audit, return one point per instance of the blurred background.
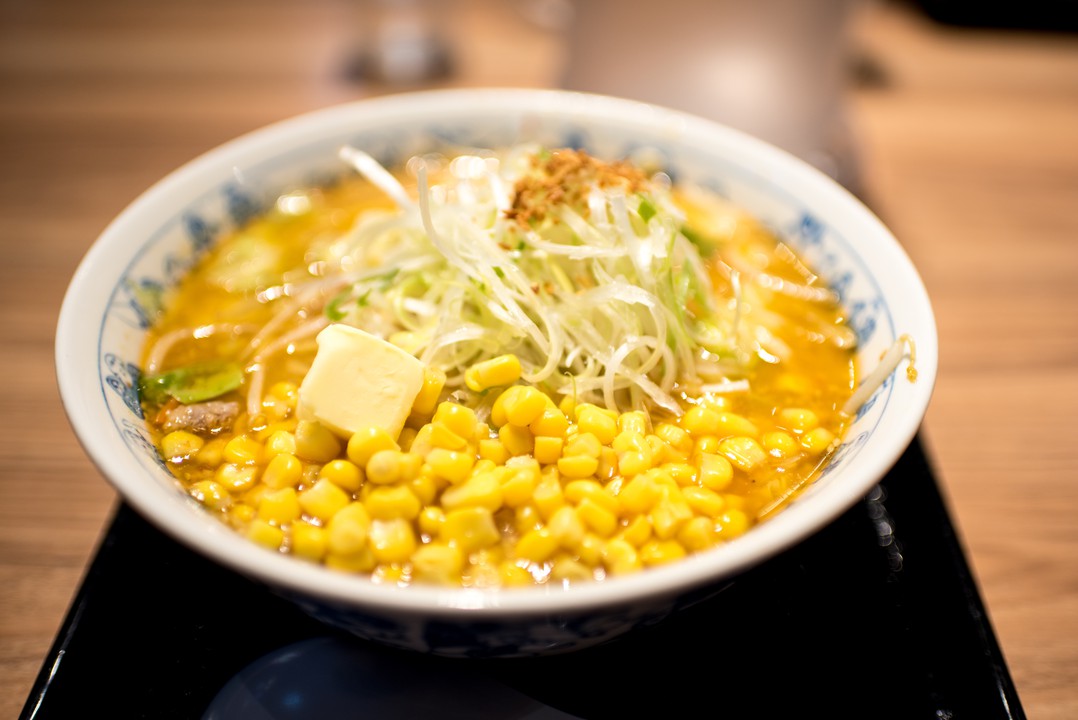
(957, 122)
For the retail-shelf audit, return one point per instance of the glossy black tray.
(875, 616)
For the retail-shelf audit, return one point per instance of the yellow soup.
(498, 369)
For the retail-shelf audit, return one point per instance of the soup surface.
(496, 369)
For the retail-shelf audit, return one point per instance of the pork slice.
(204, 418)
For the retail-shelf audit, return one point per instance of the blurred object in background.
(777, 69)
(401, 42)
(1028, 15)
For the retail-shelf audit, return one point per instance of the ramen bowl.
(103, 325)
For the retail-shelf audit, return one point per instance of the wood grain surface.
(968, 148)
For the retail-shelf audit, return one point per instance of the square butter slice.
(358, 380)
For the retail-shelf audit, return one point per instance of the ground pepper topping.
(565, 177)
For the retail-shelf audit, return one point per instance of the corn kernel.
(597, 517)
(548, 496)
(634, 462)
(366, 442)
(282, 471)
(512, 575)
(640, 494)
(211, 494)
(576, 490)
(620, 558)
(427, 399)
(668, 515)
(442, 437)
(392, 541)
(243, 450)
(384, 467)
(284, 390)
(501, 370)
(458, 419)
(518, 487)
(705, 444)
(590, 549)
(779, 444)
(631, 441)
(798, 420)
(359, 562)
(431, 520)
(236, 478)
(660, 552)
(523, 404)
(240, 514)
(731, 524)
(697, 534)
(389, 503)
(179, 445)
(547, 450)
(483, 490)
(593, 420)
(527, 518)
(566, 527)
(450, 465)
(280, 442)
(323, 500)
(634, 421)
(265, 534)
(211, 453)
(817, 441)
(345, 474)
(309, 541)
(704, 501)
(744, 452)
(493, 450)
(638, 531)
(568, 570)
(421, 444)
(683, 473)
(578, 466)
(583, 443)
(348, 529)
(279, 506)
(661, 451)
(715, 471)
(437, 563)
(733, 424)
(699, 421)
(470, 529)
(608, 463)
(315, 442)
(537, 546)
(551, 423)
(675, 437)
(425, 487)
(517, 440)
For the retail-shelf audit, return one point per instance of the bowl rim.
(225, 546)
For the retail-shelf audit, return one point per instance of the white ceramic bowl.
(103, 321)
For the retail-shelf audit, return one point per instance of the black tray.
(875, 616)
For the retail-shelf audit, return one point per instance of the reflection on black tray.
(876, 616)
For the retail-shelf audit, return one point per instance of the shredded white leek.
(605, 299)
(887, 365)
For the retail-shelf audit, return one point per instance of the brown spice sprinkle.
(563, 177)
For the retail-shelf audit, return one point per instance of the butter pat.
(358, 380)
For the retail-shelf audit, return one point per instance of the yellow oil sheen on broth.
(496, 370)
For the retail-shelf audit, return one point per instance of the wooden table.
(968, 145)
